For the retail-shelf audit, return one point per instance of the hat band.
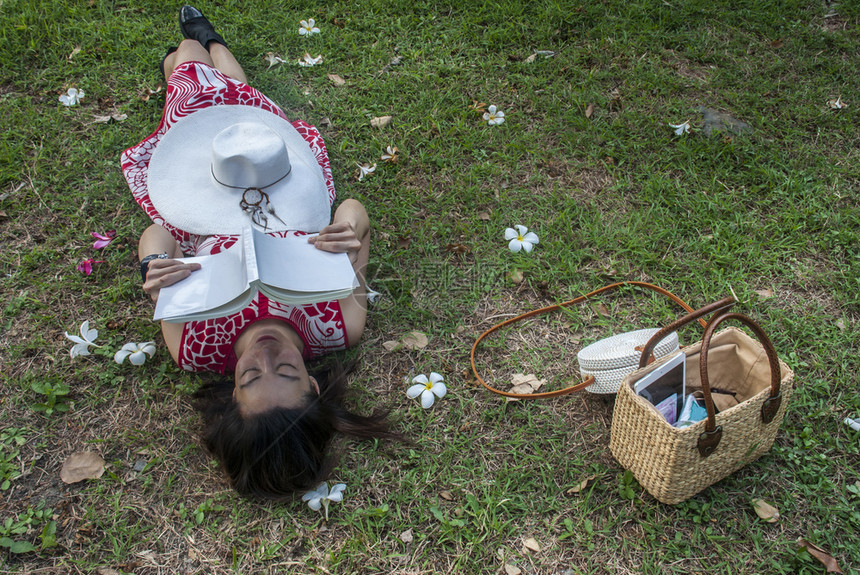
(214, 177)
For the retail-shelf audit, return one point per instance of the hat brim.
(180, 183)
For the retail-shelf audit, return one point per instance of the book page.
(221, 278)
(293, 264)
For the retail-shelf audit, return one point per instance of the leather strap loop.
(589, 381)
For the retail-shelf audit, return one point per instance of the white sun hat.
(222, 168)
(610, 359)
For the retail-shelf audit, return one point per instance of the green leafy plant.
(55, 394)
(10, 440)
(23, 523)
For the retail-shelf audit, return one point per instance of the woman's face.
(271, 373)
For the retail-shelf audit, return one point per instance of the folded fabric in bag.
(609, 360)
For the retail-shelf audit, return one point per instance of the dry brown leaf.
(106, 119)
(531, 544)
(107, 571)
(516, 276)
(414, 341)
(82, 465)
(3, 215)
(457, 249)
(765, 510)
(823, 556)
(581, 485)
(602, 310)
(840, 323)
(479, 107)
(407, 536)
(446, 495)
(380, 122)
(485, 216)
(336, 80)
(589, 110)
(75, 50)
(530, 59)
(525, 384)
(403, 242)
(512, 569)
(391, 345)
(325, 122)
(765, 292)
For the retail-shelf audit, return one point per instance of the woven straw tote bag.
(746, 380)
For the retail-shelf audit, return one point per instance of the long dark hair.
(274, 454)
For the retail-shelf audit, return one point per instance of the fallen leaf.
(824, 557)
(525, 384)
(530, 59)
(837, 104)
(765, 510)
(414, 341)
(765, 293)
(589, 110)
(840, 323)
(106, 119)
(581, 485)
(512, 569)
(403, 242)
(82, 465)
(407, 536)
(479, 107)
(336, 80)
(516, 276)
(107, 571)
(531, 544)
(391, 345)
(777, 43)
(485, 216)
(75, 50)
(457, 249)
(325, 122)
(380, 122)
(446, 495)
(602, 310)
(4, 215)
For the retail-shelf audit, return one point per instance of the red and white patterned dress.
(208, 345)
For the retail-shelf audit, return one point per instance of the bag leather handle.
(771, 405)
(576, 300)
(717, 306)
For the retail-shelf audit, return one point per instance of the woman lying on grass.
(223, 157)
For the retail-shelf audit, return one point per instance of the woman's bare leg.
(218, 56)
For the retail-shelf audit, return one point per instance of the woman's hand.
(339, 237)
(163, 273)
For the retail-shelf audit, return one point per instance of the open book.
(288, 270)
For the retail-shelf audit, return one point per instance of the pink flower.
(86, 266)
(102, 240)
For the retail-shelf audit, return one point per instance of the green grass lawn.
(585, 158)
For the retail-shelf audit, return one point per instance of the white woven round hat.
(222, 168)
(610, 360)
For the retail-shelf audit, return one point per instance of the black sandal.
(170, 51)
(194, 26)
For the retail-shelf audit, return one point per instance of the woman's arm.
(162, 273)
(349, 233)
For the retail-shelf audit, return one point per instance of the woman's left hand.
(339, 237)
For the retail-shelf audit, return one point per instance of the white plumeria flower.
(321, 496)
(83, 343)
(307, 60)
(308, 27)
(365, 170)
(135, 352)
(272, 59)
(493, 116)
(681, 129)
(428, 389)
(72, 97)
(521, 239)
(836, 104)
(390, 154)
